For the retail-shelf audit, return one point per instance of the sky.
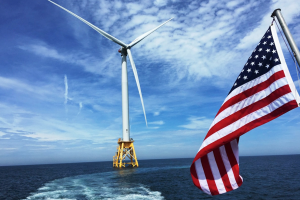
(60, 80)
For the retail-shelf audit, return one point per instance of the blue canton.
(262, 59)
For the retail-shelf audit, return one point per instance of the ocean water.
(265, 177)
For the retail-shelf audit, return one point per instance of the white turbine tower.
(126, 145)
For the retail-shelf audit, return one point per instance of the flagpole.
(287, 33)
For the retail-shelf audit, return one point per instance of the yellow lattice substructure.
(125, 149)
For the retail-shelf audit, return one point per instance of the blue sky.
(60, 81)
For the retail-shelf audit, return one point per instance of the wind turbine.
(126, 144)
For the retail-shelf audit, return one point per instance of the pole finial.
(273, 14)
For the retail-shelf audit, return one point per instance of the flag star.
(256, 71)
(235, 84)
(249, 70)
(269, 36)
(271, 43)
(258, 44)
(268, 50)
(271, 58)
(245, 77)
(274, 51)
(252, 63)
(256, 56)
(260, 64)
(265, 42)
(276, 60)
(260, 49)
(246, 63)
(243, 70)
(264, 57)
(267, 66)
(239, 77)
(250, 57)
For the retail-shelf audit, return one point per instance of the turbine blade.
(94, 27)
(141, 37)
(137, 81)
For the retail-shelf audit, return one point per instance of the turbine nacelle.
(123, 51)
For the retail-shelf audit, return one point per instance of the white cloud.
(40, 91)
(151, 10)
(157, 122)
(232, 4)
(134, 8)
(197, 123)
(43, 51)
(47, 128)
(154, 127)
(66, 89)
(80, 107)
(194, 43)
(7, 149)
(88, 62)
(156, 113)
(160, 3)
(289, 10)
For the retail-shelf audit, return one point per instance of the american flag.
(262, 92)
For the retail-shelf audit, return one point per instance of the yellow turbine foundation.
(125, 149)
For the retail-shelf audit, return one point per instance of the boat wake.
(105, 185)
(94, 186)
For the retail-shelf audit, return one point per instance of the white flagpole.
(287, 33)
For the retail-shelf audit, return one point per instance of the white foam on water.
(107, 185)
(94, 186)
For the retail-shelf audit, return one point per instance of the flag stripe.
(247, 127)
(228, 167)
(254, 82)
(245, 120)
(216, 173)
(235, 149)
(195, 175)
(222, 170)
(209, 176)
(233, 163)
(201, 177)
(249, 109)
(247, 93)
(250, 100)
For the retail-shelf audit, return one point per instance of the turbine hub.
(123, 51)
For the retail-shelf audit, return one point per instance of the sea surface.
(265, 177)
